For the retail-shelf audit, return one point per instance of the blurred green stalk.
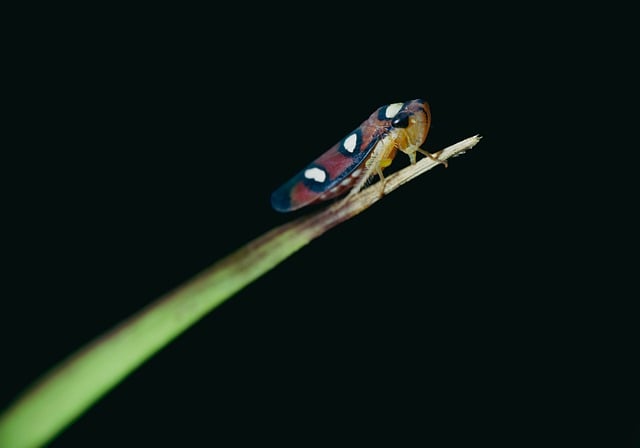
(71, 387)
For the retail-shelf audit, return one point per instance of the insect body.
(362, 154)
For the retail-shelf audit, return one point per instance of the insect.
(365, 152)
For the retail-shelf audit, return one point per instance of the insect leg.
(412, 148)
(381, 180)
(433, 156)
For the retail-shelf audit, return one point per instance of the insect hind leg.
(366, 180)
(381, 180)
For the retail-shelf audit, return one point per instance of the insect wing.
(328, 175)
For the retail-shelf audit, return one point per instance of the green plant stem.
(71, 387)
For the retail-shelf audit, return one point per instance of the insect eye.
(400, 121)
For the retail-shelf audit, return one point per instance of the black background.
(485, 303)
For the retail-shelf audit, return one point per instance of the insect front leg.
(412, 148)
(433, 156)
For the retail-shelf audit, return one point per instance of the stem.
(70, 388)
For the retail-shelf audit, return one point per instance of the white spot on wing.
(350, 142)
(392, 110)
(316, 174)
